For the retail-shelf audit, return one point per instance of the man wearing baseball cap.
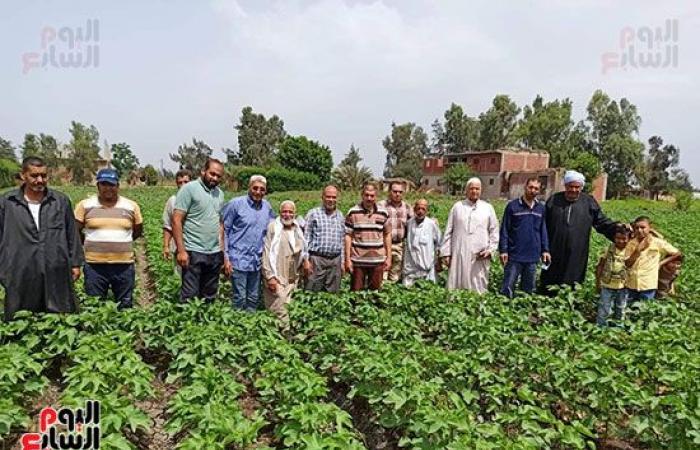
(110, 224)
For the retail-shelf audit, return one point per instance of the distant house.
(64, 174)
(503, 172)
(386, 182)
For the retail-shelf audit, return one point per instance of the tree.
(461, 132)
(7, 150)
(192, 157)
(547, 126)
(349, 175)
(613, 132)
(150, 175)
(43, 146)
(123, 159)
(660, 161)
(302, 154)
(405, 149)
(258, 138)
(456, 177)
(680, 181)
(498, 122)
(84, 151)
(588, 164)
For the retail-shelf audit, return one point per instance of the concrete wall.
(524, 161)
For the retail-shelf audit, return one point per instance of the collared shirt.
(367, 228)
(168, 212)
(523, 231)
(108, 231)
(614, 269)
(644, 273)
(398, 216)
(245, 225)
(324, 232)
(202, 207)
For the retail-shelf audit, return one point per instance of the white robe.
(422, 240)
(471, 229)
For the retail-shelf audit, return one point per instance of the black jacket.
(35, 265)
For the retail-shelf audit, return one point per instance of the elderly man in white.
(470, 239)
(423, 239)
(284, 252)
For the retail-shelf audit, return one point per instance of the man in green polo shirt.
(198, 234)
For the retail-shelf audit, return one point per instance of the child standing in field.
(646, 254)
(611, 274)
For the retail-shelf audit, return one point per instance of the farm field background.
(402, 368)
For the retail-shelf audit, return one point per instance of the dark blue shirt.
(523, 232)
(245, 225)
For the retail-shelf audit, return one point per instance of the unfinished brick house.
(503, 172)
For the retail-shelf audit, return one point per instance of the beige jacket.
(288, 261)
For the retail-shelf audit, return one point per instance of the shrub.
(8, 170)
(683, 200)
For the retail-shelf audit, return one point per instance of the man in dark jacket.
(570, 216)
(40, 250)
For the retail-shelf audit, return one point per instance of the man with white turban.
(471, 237)
(570, 215)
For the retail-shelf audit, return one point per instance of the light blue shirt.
(245, 225)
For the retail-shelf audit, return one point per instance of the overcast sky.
(336, 71)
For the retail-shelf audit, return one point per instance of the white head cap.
(572, 176)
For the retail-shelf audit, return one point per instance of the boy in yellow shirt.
(610, 275)
(646, 254)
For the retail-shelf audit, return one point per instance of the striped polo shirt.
(108, 231)
(367, 229)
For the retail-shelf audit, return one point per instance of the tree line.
(607, 139)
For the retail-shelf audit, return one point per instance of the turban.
(572, 176)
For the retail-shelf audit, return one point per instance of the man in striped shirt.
(110, 223)
(367, 241)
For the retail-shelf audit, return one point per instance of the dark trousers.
(201, 277)
(121, 278)
(514, 270)
(367, 277)
(327, 273)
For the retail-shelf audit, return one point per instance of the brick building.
(503, 172)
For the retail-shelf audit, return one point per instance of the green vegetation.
(419, 368)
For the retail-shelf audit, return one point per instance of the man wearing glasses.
(399, 214)
(245, 220)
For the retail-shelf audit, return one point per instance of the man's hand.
(308, 268)
(387, 264)
(446, 261)
(228, 268)
(504, 258)
(546, 258)
(644, 244)
(166, 253)
(348, 265)
(183, 259)
(272, 285)
(75, 273)
(485, 254)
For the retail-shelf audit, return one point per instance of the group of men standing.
(262, 252)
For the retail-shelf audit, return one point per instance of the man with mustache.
(244, 221)
(40, 250)
(198, 234)
(283, 254)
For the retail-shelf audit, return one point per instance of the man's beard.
(287, 222)
(210, 183)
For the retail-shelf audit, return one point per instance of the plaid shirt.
(323, 233)
(398, 217)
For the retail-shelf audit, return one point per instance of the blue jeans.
(635, 296)
(514, 270)
(246, 290)
(607, 298)
(120, 277)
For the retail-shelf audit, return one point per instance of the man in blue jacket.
(523, 240)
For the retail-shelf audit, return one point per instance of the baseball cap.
(108, 176)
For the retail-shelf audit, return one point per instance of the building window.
(493, 160)
(427, 164)
(439, 162)
(490, 181)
